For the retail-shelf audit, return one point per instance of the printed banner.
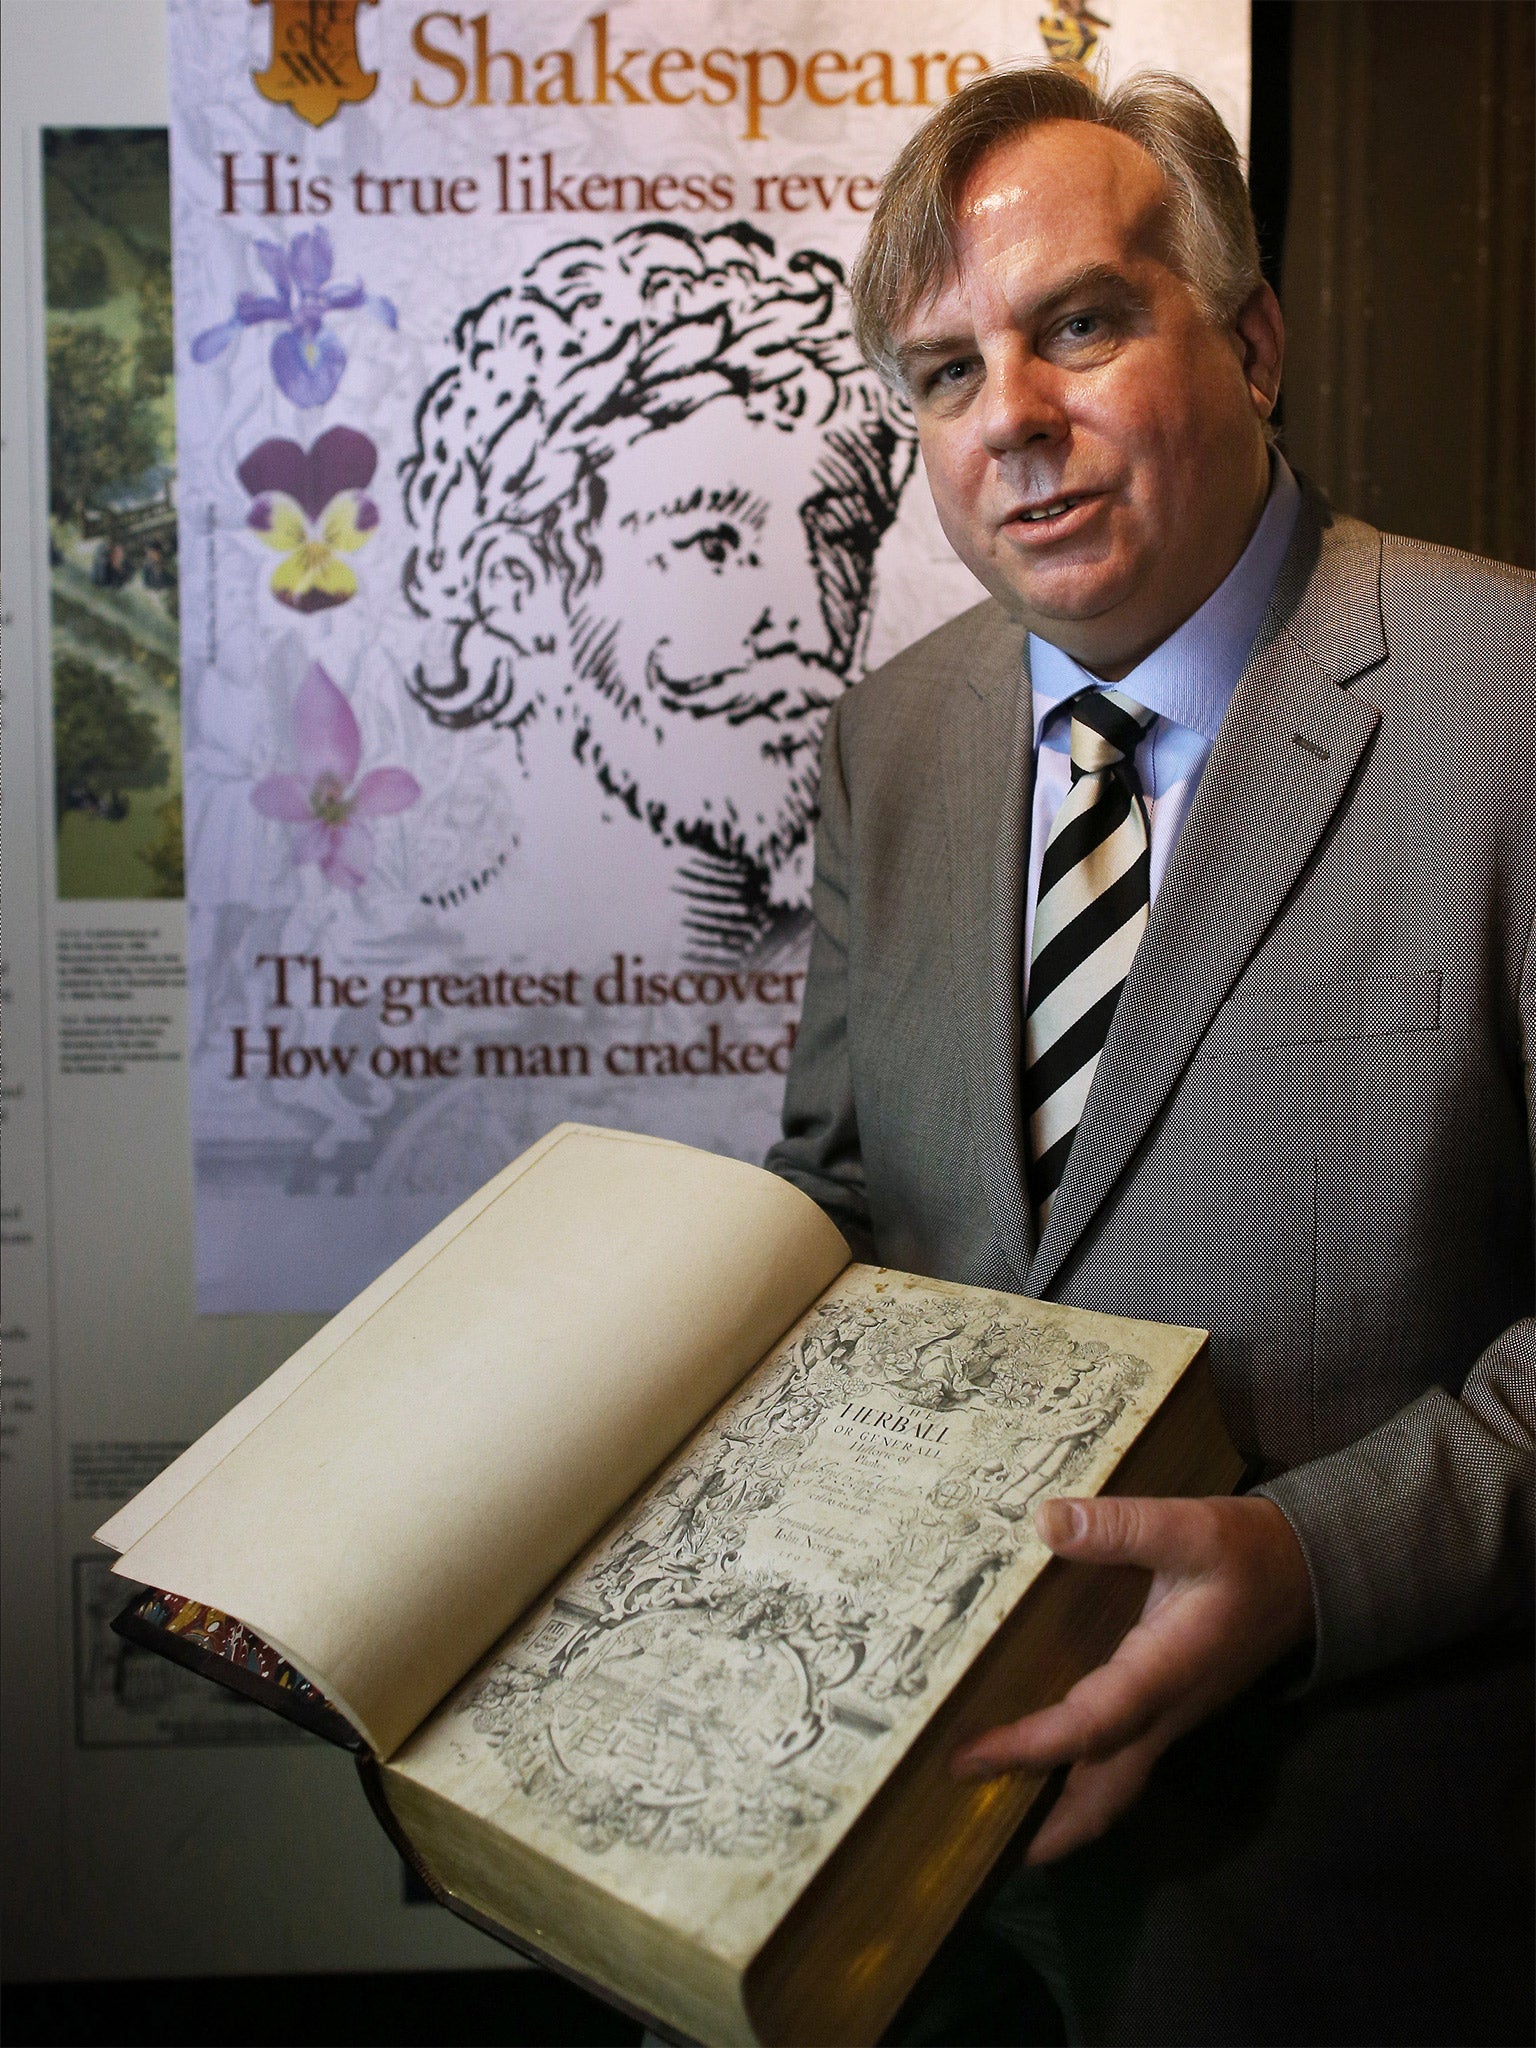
(535, 506)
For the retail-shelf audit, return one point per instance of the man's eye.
(951, 375)
(715, 543)
(1083, 327)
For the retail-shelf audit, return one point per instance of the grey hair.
(909, 252)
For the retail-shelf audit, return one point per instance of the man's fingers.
(1113, 1705)
(1093, 1798)
(1038, 1743)
(1159, 1535)
(1230, 1592)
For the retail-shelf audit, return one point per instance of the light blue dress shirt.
(1188, 681)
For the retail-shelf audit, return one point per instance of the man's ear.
(1259, 330)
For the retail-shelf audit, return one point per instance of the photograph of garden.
(112, 512)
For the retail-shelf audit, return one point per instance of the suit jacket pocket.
(1330, 1009)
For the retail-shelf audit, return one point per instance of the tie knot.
(1107, 728)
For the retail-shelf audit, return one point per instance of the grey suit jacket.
(1309, 1130)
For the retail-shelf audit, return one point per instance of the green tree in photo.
(78, 276)
(99, 433)
(103, 744)
(162, 851)
(154, 356)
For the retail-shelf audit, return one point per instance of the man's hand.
(1230, 1594)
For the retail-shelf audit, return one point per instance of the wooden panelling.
(1408, 265)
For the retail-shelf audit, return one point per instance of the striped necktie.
(1095, 892)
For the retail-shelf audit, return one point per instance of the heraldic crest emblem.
(314, 66)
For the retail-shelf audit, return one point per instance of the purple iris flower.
(321, 796)
(307, 359)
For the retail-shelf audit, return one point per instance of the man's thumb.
(1061, 1524)
(1113, 1531)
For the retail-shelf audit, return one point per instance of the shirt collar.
(1190, 678)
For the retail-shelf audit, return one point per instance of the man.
(1210, 1001)
(685, 420)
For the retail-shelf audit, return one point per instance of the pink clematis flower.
(319, 799)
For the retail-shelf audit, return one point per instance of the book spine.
(224, 1651)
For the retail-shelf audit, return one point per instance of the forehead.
(1046, 205)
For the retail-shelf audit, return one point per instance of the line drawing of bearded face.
(661, 461)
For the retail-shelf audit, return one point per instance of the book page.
(384, 1522)
(153, 1502)
(707, 1700)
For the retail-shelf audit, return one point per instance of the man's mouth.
(1053, 508)
(1044, 520)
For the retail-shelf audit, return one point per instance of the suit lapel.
(987, 768)
(1286, 753)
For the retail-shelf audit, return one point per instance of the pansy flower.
(321, 796)
(312, 509)
(307, 358)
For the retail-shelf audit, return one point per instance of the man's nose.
(1022, 402)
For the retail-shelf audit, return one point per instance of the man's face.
(1093, 440)
(709, 679)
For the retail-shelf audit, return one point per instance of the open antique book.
(657, 1559)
